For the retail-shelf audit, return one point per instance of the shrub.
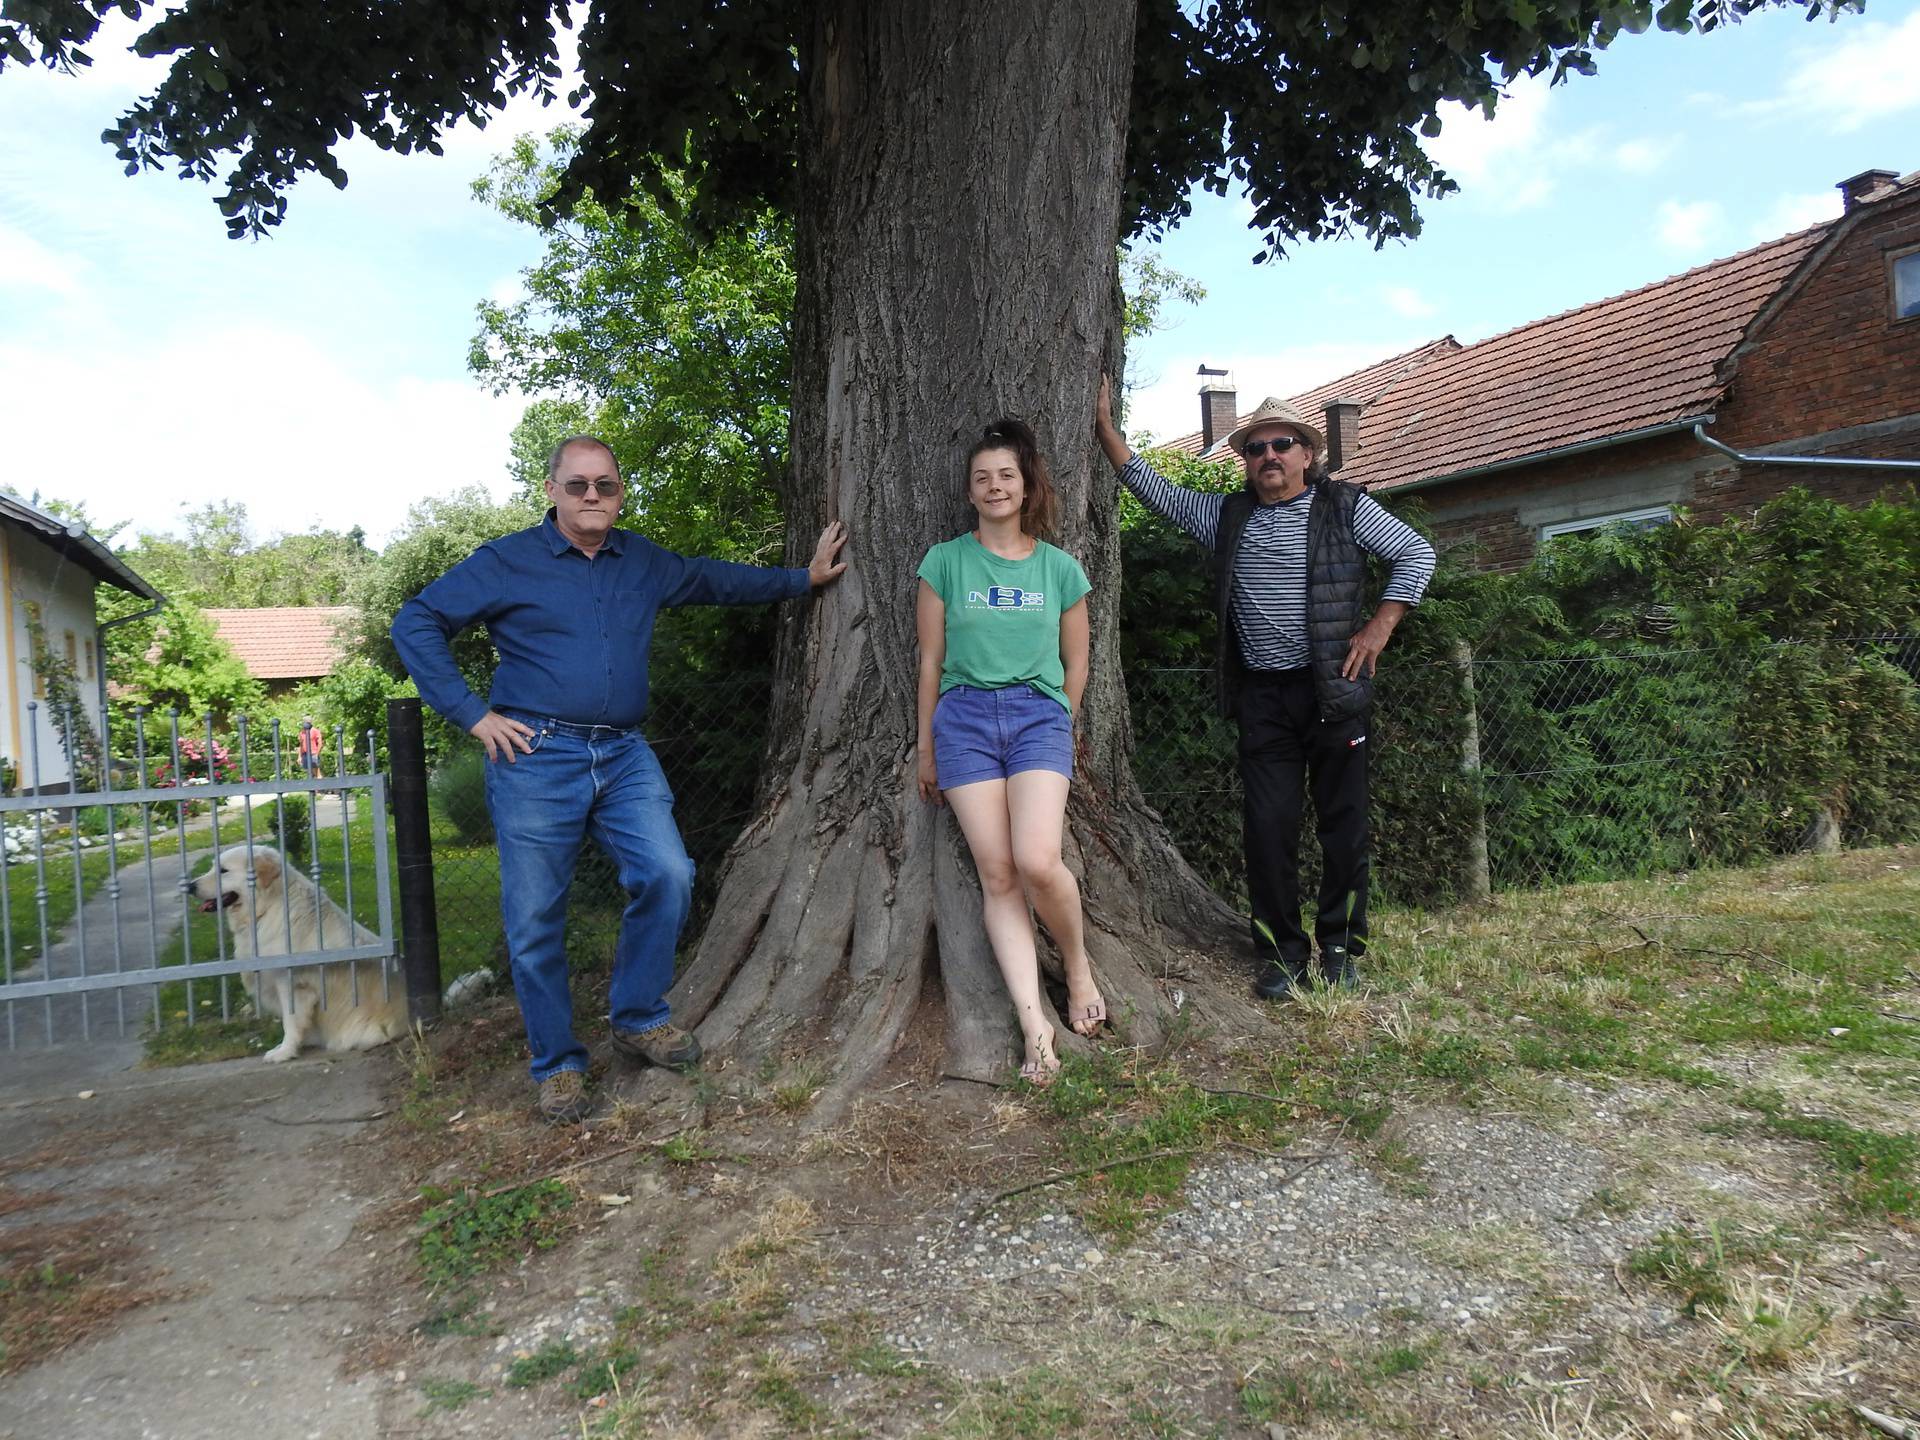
(458, 789)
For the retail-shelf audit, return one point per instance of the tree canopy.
(1316, 111)
(672, 347)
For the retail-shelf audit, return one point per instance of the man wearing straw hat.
(1295, 665)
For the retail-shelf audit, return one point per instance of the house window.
(1906, 285)
(1631, 519)
(89, 659)
(73, 653)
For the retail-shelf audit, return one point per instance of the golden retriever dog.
(282, 912)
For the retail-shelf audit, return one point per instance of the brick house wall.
(1829, 371)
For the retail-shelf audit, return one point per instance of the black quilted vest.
(1336, 586)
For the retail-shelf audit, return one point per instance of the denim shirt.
(572, 632)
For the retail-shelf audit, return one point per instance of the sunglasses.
(606, 489)
(1280, 444)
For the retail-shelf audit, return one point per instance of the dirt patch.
(779, 1280)
(60, 1283)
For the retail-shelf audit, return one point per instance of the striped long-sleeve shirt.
(1269, 590)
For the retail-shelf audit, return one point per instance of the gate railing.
(144, 896)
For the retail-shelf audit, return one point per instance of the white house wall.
(37, 574)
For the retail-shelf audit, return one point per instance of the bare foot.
(1041, 1065)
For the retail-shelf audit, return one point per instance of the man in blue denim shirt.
(570, 606)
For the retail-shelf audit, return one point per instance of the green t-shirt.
(1003, 616)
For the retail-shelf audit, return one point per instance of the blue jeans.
(586, 780)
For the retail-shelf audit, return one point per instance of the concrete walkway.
(127, 930)
(229, 1187)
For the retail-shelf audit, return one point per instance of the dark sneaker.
(1280, 978)
(1336, 967)
(563, 1098)
(667, 1046)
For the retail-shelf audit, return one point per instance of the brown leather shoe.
(563, 1098)
(667, 1046)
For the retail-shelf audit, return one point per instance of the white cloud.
(1867, 76)
(1170, 406)
(1796, 212)
(1405, 300)
(26, 264)
(1642, 157)
(1471, 147)
(1515, 161)
(508, 290)
(1687, 224)
(294, 433)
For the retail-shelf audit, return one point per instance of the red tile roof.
(285, 642)
(1649, 358)
(1627, 363)
(1364, 385)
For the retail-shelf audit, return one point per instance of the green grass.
(603, 1372)
(450, 1394)
(1036, 1405)
(1645, 980)
(1115, 1117)
(556, 1357)
(1877, 1170)
(464, 1233)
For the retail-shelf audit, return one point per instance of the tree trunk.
(960, 182)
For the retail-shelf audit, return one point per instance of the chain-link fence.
(1504, 772)
(1491, 772)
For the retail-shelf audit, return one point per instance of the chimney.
(1865, 186)
(1218, 414)
(1343, 432)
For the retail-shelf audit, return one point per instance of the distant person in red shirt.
(312, 743)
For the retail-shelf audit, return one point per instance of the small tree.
(188, 668)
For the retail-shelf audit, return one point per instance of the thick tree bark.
(961, 178)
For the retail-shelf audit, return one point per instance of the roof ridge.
(1672, 279)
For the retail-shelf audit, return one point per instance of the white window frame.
(1652, 514)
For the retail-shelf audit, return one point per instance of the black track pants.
(1285, 746)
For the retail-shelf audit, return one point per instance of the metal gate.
(99, 927)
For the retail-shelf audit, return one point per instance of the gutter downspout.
(100, 640)
(1827, 462)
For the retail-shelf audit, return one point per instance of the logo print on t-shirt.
(1007, 597)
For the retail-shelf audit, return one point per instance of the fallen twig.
(1896, 1015)
(572, 1165)
(1084, 1170)
(331, 1119)
(1900, 1429)
(1312, 1157)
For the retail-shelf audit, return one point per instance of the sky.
(148, 364)
(1680, 150)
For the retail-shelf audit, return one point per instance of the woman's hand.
(929, 778)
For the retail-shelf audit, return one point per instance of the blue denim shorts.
(991, 734)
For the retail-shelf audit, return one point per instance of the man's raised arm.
(1195, 511)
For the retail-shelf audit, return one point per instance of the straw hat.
(1275, 411)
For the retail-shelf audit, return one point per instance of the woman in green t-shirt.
(1003, 661)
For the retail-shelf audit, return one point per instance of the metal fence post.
(1479, 872)
(413, 847)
